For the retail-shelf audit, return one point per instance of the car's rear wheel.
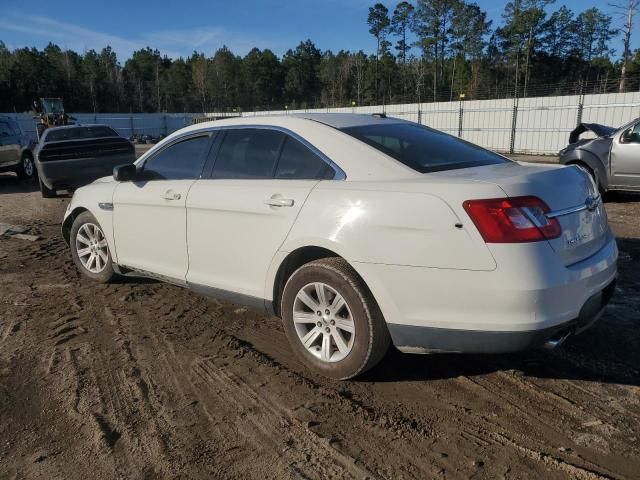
(26, 169)
(46, 191)
(331, 319)
(90, 250)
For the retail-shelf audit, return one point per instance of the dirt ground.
(145, 380)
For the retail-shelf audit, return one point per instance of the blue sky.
(180, 27)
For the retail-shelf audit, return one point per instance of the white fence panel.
(488, 123)
(542, 124)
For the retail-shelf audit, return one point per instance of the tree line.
(430, 50)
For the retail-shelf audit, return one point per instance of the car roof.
(335, 120)
(346, 120)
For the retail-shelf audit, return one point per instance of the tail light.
(512, 220)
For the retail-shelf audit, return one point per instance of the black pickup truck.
(72, 156)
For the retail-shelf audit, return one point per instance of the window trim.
(212, 134)
(339, 174)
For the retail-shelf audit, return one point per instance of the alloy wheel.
(91, 247)
(323, 322)
(27, 166)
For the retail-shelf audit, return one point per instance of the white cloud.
(38, 31)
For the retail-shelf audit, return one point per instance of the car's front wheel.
(90, 250)
(331, 319)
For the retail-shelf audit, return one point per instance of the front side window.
(300, 163)
(423, 149)
(632, 135)
(248, 153)
(180, 161)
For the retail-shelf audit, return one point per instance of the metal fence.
(126, 124)
(535, 125)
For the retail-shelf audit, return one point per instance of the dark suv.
(15, 149)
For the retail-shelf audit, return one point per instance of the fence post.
(580, 105)
(419, 115)
(164, 124)
(460, 115)
(131, 121)
(514, 121)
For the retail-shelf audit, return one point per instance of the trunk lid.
(570, 194)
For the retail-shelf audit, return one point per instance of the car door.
(239, 217)
(9, 145)
(149, 216)
(625, 158)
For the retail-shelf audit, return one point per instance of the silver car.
(612, 158)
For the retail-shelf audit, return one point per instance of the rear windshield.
(423, 149)
(80, 133)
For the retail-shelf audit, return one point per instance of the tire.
(360, 349)
(46, 191)
(26, 169)
(87, 234)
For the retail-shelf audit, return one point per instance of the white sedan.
(358, 231)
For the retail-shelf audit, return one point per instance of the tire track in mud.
(109, 397)
(270, 423)
(358, 430)
(573, 425)
(231, 350)
(482, 435)
(261, 423)
(162, 382)
(13, 326)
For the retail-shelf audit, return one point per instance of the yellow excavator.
(50, 113)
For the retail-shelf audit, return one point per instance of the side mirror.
(630, 136)
(124, 173)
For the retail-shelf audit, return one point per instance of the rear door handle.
(279, 202)
(171, 195)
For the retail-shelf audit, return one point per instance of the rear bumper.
(71, 174)
(414, 339)
(528, 300)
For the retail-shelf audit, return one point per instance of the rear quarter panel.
(411, 228)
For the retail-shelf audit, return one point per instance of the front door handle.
(171, 195)
(279, 202)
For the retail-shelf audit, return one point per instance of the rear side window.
(423, 149)
(248, 153)
(180, 161)
(299, 162)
